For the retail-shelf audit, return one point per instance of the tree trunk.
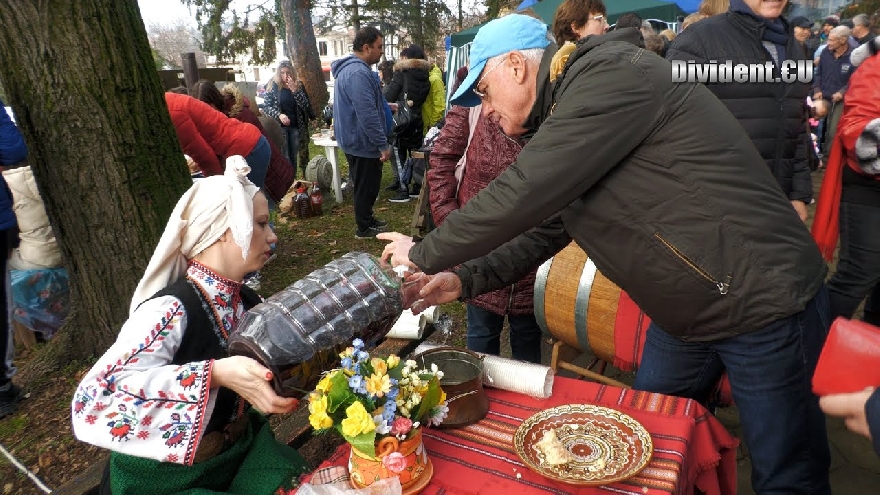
(304, 51)
(355, 16)
(81, 80)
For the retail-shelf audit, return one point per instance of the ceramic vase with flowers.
(380, 406)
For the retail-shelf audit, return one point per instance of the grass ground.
(39, 434)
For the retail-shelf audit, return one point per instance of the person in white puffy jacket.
(38, 248)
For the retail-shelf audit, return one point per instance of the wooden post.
(190, 68)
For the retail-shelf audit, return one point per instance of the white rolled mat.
(410, 326)
(521, 377)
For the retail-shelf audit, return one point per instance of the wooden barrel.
(576, 304)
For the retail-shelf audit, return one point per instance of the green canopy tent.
(646, 9)
(462, 38)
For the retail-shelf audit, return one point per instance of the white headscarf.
(201, 216)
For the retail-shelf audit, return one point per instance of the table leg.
(337, 180)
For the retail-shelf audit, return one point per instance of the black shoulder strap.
(249, 297)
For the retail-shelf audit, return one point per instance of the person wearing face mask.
(177, 412)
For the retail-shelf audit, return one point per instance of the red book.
(850, 359)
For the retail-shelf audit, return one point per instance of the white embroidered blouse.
(136, 402)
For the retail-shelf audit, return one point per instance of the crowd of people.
(691, 197)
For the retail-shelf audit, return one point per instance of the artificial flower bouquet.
(370, 399)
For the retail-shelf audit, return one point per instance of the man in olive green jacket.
(663, 188)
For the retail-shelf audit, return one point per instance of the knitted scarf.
(776, 30)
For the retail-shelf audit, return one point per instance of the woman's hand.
(250, 379)
(285, 120)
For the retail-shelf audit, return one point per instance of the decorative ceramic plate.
(605, 445)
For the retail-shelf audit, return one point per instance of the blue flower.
(392, 394)
(390, 404)
(356, 382)
(387, 414)
(346, 363)
(362, 356)
(358, 343)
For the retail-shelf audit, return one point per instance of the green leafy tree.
(228, 36)
(870, 7)
(82, 81)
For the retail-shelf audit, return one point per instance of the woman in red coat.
(209, 136)
(232, 102)
(849, 201)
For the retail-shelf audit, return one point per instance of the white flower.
(410, 363)
(434, 368)
(382, 426)
(438, 414)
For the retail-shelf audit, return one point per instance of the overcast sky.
(168, 11)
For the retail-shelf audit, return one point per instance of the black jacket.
(657, 182)
(773, 114)
(410, 75)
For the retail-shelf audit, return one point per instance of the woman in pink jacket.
(484, 152)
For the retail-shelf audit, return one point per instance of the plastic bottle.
(299, 332)
(302, 206)
(317, 201)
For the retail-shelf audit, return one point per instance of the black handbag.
(406, 119)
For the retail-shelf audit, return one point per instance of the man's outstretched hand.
(396, 252)
(442, 288)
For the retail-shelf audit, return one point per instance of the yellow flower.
(393, 361)
(320, 421)
(379, 366)
(318, 405)
(357, 421)
(324, 384)
(378, 385)
(318, 417)
(442, 396)
(347, 352)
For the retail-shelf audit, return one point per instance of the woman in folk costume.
(169, 402)
(849, 201)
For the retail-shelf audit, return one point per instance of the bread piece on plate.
(554, 452)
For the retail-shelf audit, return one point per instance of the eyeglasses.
(599, 18)
(484, 95)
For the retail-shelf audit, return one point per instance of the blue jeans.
(770, 372)
(258, 161)
(291, 137)
(484, 334)
(858, 270)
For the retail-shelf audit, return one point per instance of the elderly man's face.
(507, 90)
(801, 34)
(835, 42)
(769, 9)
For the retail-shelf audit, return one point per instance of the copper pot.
(462, 381)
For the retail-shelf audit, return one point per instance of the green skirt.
(256, 464)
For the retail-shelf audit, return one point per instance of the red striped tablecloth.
(691, 448)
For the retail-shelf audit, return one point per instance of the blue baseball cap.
(509, 33)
